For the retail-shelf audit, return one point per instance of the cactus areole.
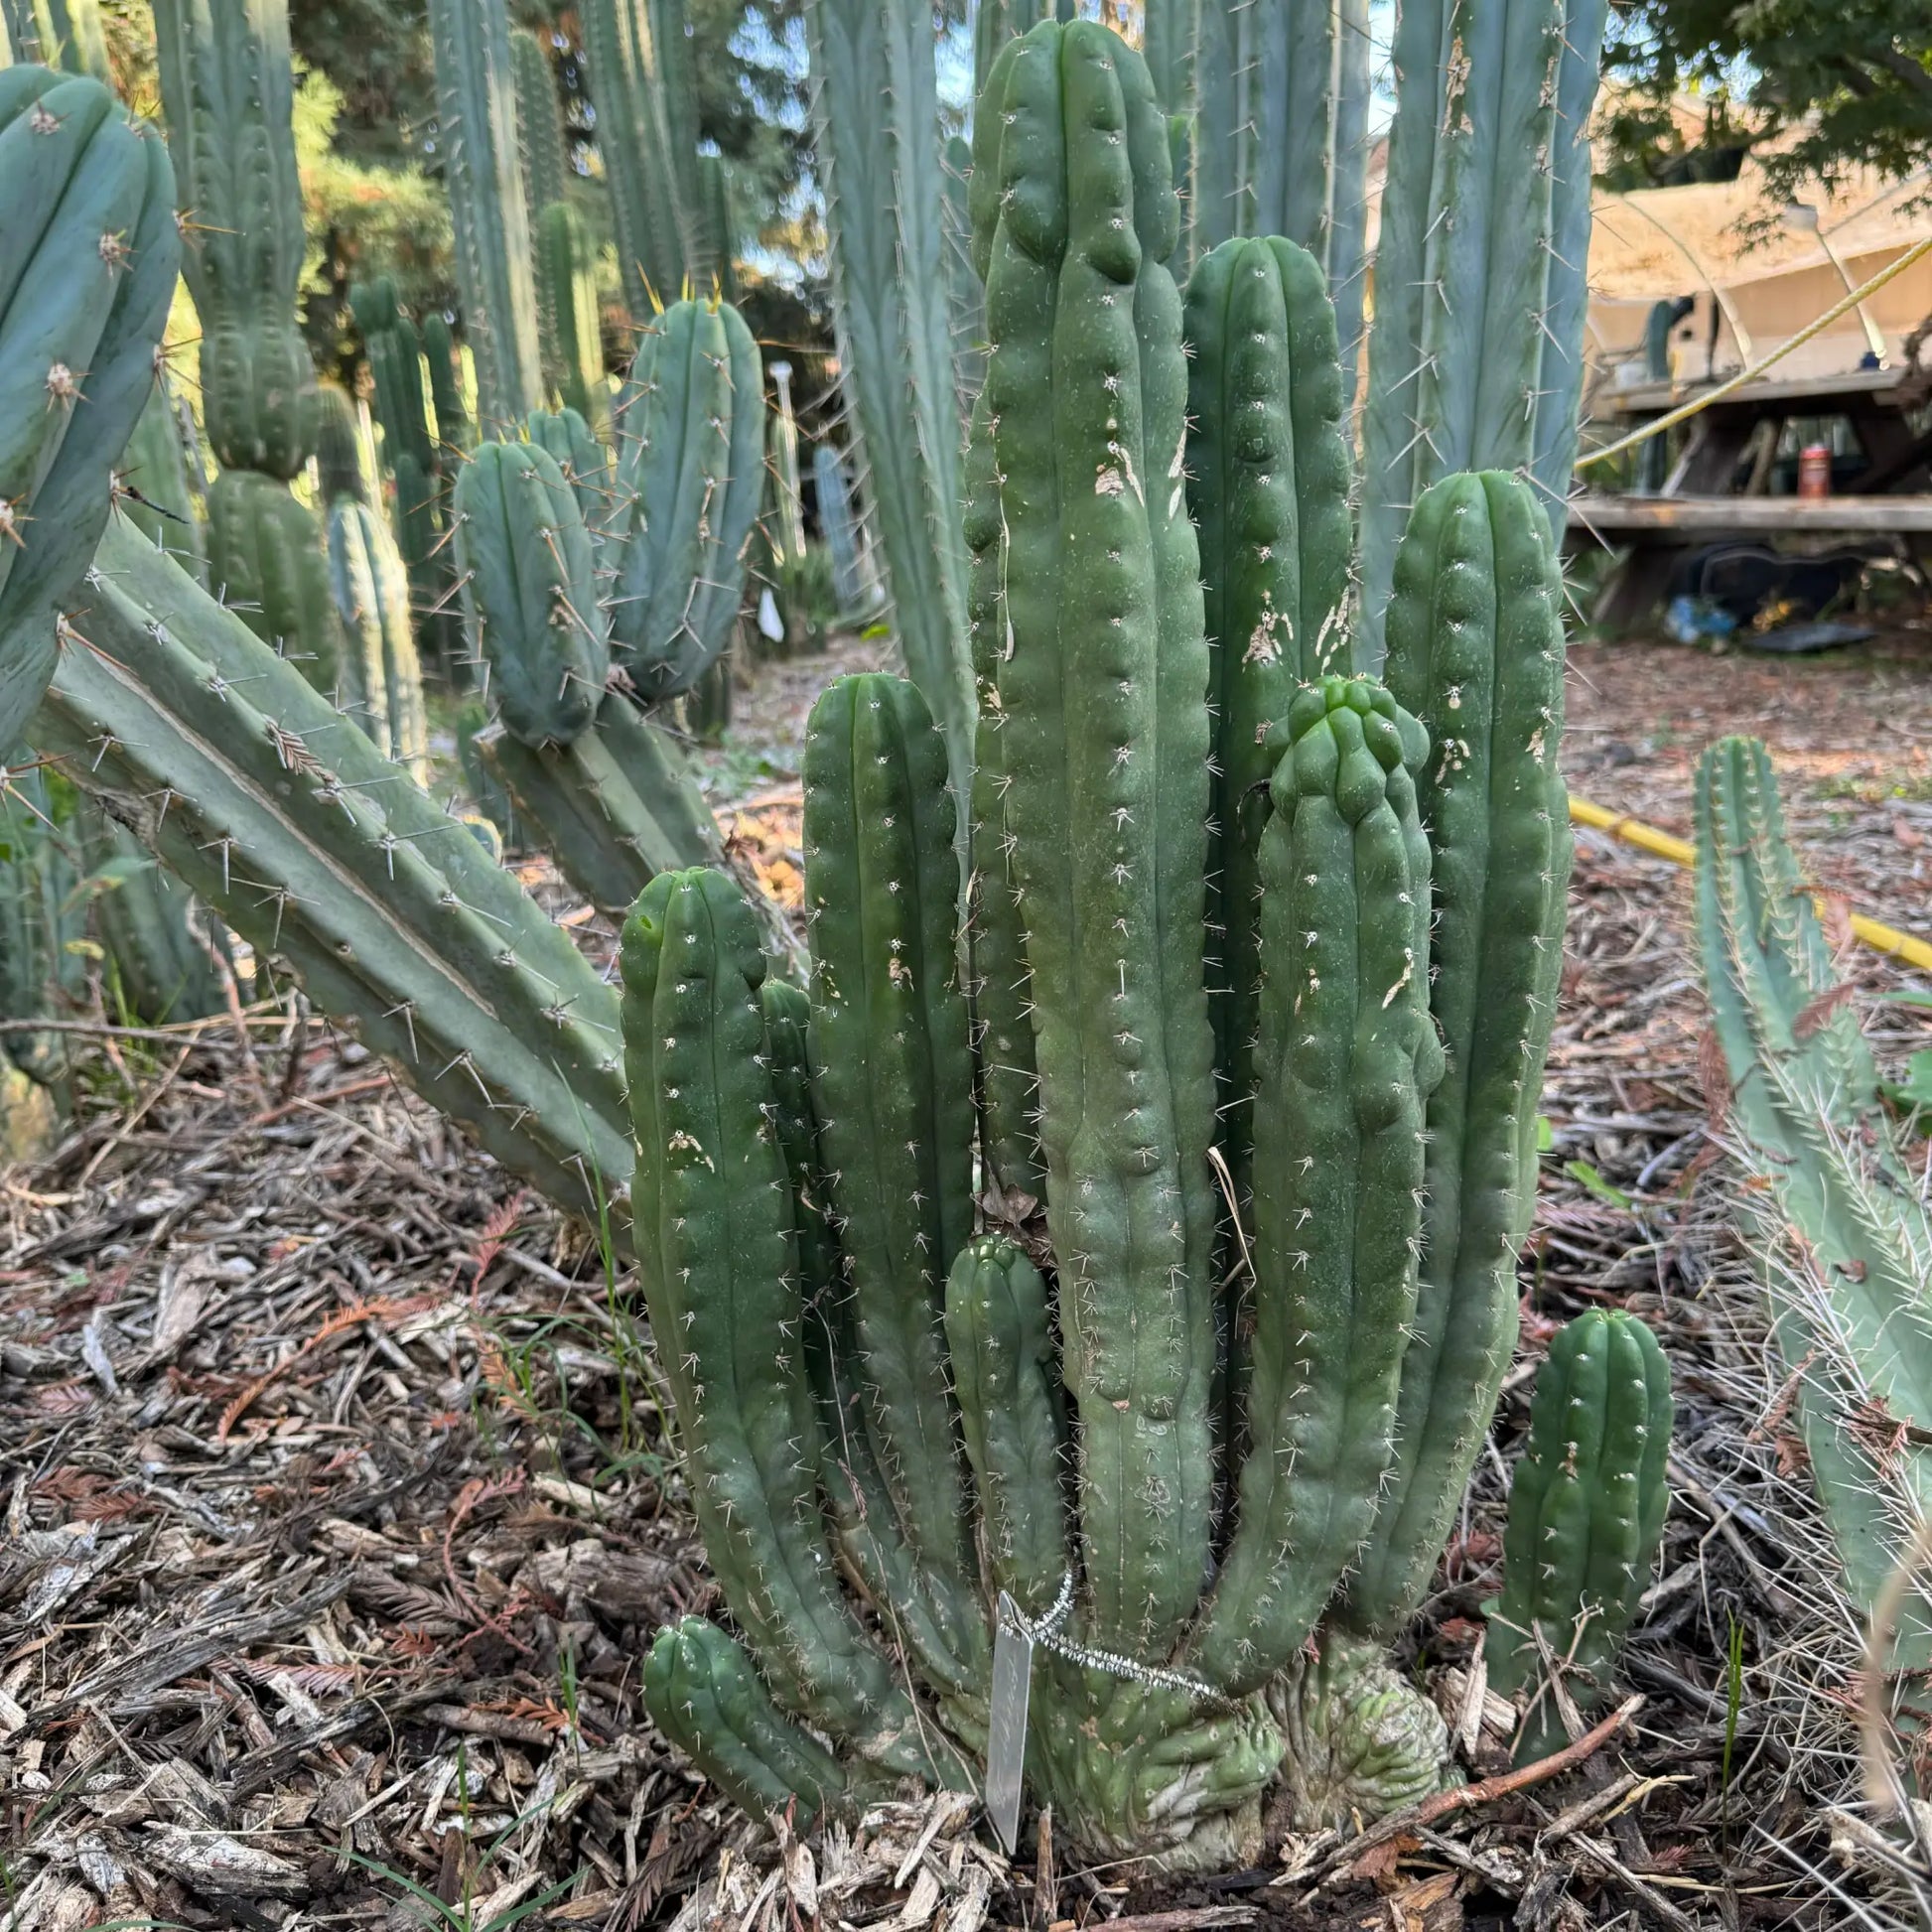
(971, 1348)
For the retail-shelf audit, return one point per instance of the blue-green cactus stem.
(88, 259)
(619, 38)
(227, 89)
(1105, 746)
(539, 122)
(999, 1330)
(855, 583)
(893, 1066)
(159, 497)
(1475, 653)
(1268, 484)
(1587, 1510)
(1347, 1058)
(690, 434)
(525, 556)
(719, 1258)
(266, 561)
(706, 1697)
(583, 459)
(163, 968)
(1008, 1075)
(475, 104)
(567, 274)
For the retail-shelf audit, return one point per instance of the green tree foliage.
(1809, 87)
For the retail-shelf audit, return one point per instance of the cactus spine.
(876, 117)
(690, 479)
(1587, 1512)
(86, 271)
(1476, 652)
(475, 97)
(1837, 1214)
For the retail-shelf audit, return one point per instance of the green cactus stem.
(157, 496)
(854, 582)
(267, 561)
(690, 477)
(1587, 1510)
(227, 89)
(303, 838)
(1267, 485)
(1349, 1057)
(1074, 217)
(567, 275)
(87, 263)
(719, 1258)
(583, 459)
(476, 102)
(42, 924)
(789, 518)
(889, 1041)
(614, 806)
(1832, 1204)
(164, 967)
(525, 557)
(877, 114)
(1475, 653)
(539, 122)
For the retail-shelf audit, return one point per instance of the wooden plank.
(1654, 398)
(1770, 515)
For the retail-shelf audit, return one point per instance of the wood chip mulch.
(339, 1509)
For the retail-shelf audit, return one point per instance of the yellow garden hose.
(1880, 939)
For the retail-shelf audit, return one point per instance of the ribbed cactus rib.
(475, 104)
(1475, 653)
(226, 85)
(88, 259)
(527, 559)
(719, 1258)
(1268, 483)
(615, 806)
(1348, 1058)
(1587, 1509)
(1003, 1026)
(1105, 746)
(704, 1696)
(690, 431)
(1836, 1218)
(889, 1041)
(283, 817)
(878, 151)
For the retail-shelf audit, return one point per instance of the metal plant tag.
(1006, 1729)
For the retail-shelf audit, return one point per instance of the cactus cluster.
(1199, 1435)
(1587, 1509)
(1836, 1215)
(87, 264)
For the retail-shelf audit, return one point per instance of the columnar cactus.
(1835, 1210)
(855, 583)
(1587, 1512)
(65, 33)
(539, 123)
(877, 120)
(87, 263)
(1036, 1387)
(583, 459)
(267, 561)
(42, 920)
(157, 495)
(311, 845)
(690, 479)
(789, 518)
(567, 277)
(475, 102)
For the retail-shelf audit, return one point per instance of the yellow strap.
(1680, 851)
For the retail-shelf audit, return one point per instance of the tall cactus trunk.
(877, 120)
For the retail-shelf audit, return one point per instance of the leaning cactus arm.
(892, 1060)
(287, 822)
(227, 87)
(88, 259)
(1347, 1059)
(1002, 1027)
(690, 434)
(1267, 485)
(1587, 1510)
(999, 1334)
(704, 1695)
(1105, 742)
(940, 1631)
(1475, 653)
(876, 112)
(523, 551)
(476, 99)
(614, 807)
(718, 1259)
(1839, 1222)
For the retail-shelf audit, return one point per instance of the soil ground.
(339, 1509)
